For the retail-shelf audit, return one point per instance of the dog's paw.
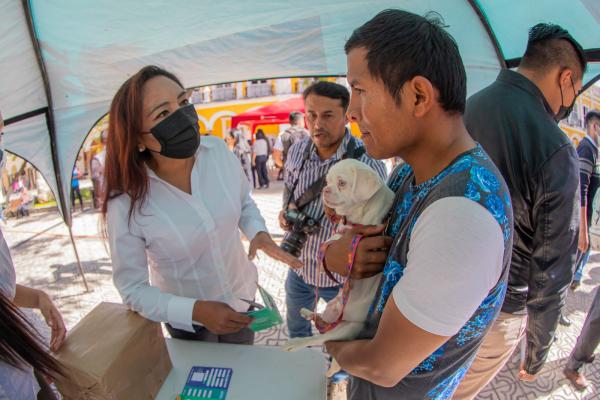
(306, 314)
(294, 344)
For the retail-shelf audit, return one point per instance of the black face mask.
(178, 133)
(565, 111)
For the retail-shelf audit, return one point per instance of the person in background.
(260, 155)
(97, 170)
(243, 152)
(515, 120)
(583, 352)
(26, 202)
(75, 191)
(16, 184)
(174, 205)
(589, 177)
(294, 133)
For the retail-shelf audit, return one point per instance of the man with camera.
(303, 216)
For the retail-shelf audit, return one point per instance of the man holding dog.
(303, 217)
(445, 276)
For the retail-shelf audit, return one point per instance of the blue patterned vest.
(474, 176)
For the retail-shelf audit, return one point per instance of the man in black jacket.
(515, 120)
(589, 178)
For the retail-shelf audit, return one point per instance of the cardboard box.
(114, 353)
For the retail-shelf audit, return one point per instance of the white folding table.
(259, 372)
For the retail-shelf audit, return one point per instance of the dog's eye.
(341, 183)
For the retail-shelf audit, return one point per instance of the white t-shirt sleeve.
(455, 258)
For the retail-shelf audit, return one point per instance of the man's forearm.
(359, 359)
(277, 158)
(583, 224)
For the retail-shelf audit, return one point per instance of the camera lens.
(290, 249)
(293, 243)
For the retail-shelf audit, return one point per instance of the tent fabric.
(276, 113)
(89, 49)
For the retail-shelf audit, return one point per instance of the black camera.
(300, 225)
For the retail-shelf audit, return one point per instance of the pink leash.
(326, 327)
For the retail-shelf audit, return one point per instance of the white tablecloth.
(259, 372)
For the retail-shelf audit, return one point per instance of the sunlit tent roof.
(61, 61)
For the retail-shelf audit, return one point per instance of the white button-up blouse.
(181, 248)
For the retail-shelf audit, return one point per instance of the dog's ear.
(366, 183)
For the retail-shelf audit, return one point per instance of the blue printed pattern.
(392, 272)
(445, 389)
(484, 184)
(429, 364)
(487, 312)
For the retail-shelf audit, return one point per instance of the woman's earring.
(141, 149)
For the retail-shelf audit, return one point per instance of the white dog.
(357, 193)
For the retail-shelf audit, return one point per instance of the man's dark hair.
(594, 114)
(401, 45)
(295, 116)
(329, 89)
(551, 45)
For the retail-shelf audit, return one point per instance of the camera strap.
(353, 150)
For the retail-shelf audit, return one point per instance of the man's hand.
(219, 318)
(262, 241)
(584, 240)
(331, 214)
(282, 222)
(371, 252)
(54, 321)
(334, 347)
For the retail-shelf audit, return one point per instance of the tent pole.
(492, 36)
(79, 266)
(51, 124)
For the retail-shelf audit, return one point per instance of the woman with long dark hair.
(25, 364)
(24, 359)
(174, 205)
(260, 155)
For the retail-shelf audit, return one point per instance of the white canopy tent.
(61, 61)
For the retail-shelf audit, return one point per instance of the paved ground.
(44, 258)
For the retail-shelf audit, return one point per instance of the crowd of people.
(266, 152)
(490, 219)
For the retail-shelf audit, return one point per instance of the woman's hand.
(219, 318)
(34, 298)
(54, 320)
(262, 241)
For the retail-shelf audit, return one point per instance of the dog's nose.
(327, 190)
